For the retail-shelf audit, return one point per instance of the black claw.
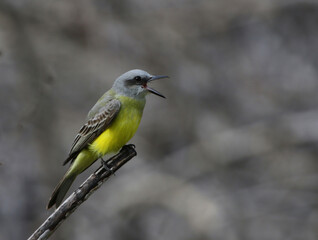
(105, 165)
(129, 146)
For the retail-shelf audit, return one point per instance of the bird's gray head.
(134, 84)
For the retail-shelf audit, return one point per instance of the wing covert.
(94, 127)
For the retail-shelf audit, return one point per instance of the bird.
(111, 123)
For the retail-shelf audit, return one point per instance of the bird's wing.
(95, 125)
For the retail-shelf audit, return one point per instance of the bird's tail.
(61, 190)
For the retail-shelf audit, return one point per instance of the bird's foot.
(107, 167)
(128, 146)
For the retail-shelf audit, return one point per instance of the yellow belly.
(122, 129)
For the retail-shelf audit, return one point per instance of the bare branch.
(91, 184)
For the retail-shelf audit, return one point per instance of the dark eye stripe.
(136, 81)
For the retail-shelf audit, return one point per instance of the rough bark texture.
(91, 184)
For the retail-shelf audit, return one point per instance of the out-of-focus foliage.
(231, 154)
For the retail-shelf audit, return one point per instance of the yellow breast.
(122, 129)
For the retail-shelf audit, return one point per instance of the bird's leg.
(105, 165)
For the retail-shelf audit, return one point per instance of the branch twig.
(91, 184)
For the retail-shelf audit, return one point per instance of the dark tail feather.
(61, 190)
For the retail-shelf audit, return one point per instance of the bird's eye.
(137, 79)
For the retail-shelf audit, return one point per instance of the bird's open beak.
(153, 90)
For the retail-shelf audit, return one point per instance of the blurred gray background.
(230, 154)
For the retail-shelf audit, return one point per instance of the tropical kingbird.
(111, 123)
